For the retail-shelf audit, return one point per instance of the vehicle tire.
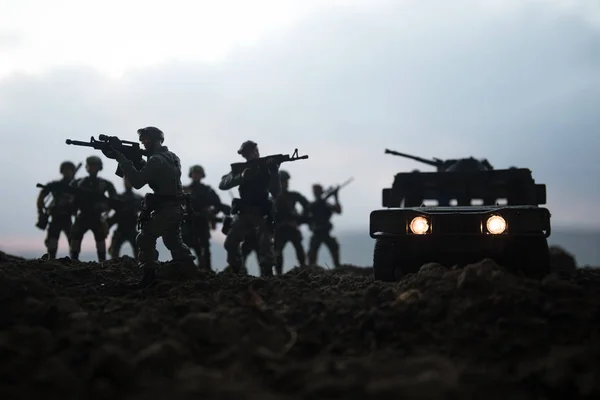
(529, 256)
(384, 265)
(393, 259)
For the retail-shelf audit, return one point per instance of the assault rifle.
(131, 150)
(239, 167)
(335, 189)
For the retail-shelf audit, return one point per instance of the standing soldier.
(164, 210)
(288, 220)
(60, 210)
(206, 205)
(92, 206)
(254, 210)
(125, 217)
(320, 213)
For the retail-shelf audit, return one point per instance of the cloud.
(115, 35)
(9, 40)
(518, 88)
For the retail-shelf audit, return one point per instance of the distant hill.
(357, 249)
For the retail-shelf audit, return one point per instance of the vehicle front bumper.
(462, 224)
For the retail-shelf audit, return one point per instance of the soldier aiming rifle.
(320, 213)
(163, 211)
(253, 211)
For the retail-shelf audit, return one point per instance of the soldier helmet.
(284, 175)
(94, 160)
(247, 146)
(196, 168)
(152, 132)
(67, 165)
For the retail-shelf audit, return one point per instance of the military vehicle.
(409, 234)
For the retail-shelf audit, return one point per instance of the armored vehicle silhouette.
(409, 234)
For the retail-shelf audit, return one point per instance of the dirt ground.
(70, 330)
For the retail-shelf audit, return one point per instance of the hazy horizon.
(356, 248)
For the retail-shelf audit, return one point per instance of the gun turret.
(453, 165)
(435, 162)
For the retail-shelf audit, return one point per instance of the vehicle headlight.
(495, 225)
(419, 225)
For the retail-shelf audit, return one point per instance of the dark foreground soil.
(71, 331)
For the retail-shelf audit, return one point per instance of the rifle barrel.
(79, 143)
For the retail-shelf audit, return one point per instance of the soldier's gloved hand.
(110, 153)
(114, 154)
(273, 165)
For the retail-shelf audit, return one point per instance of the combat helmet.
(66, 165)
(152, 132)
(196, 168)
(284, 175)
(94, 160)
(247, 146)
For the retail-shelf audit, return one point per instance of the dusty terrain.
(70, 330)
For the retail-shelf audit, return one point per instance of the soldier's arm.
(112, 220)
(275, 185)
(112, 191)
(215, 200)
(138, 202)
(309, 216)
(75, 191)
(230, 181)
(139, 178)
(303, 201)
(336, 207)
(40, 199)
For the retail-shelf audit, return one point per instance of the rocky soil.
(71, 330)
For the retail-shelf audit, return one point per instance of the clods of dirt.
(71, 330)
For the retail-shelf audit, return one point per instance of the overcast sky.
(516, 82)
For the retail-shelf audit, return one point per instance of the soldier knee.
(335, 245)
(144, 240)
(169, 239)
(52, 243)
(231, 244)
(266, 257)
